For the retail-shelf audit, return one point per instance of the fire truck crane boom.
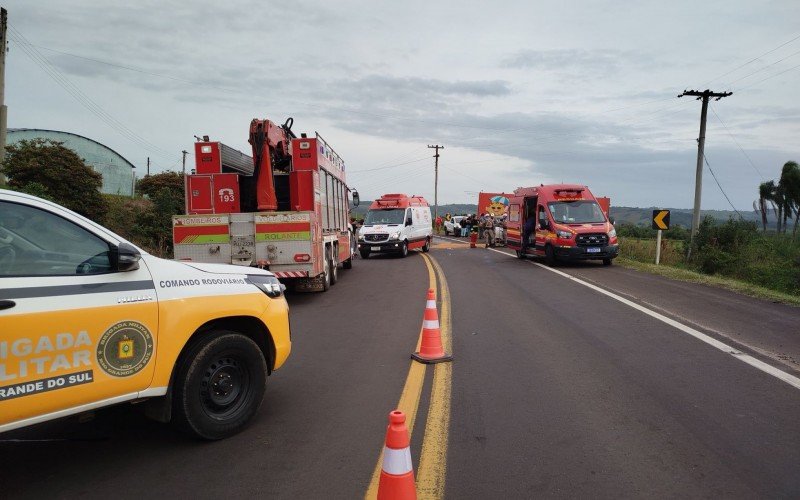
(271, 152)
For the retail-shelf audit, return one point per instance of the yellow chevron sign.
(660, 219)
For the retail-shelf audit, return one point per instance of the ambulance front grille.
(376, 237)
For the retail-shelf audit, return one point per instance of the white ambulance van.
(88, 320)
(396, 223)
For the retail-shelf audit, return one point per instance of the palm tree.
(764, 192)
(790, 186)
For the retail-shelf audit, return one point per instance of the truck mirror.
(356, 199)
(544, 224)
(409, 221)
(127, 257)
(611, 220)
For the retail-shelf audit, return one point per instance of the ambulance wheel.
(606, 262)
(219, 385)
(549, 256)
(404, 249)
(334, 266)
(427, 247)
(364, 254)
(326, 275)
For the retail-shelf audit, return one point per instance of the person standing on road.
(438, 224)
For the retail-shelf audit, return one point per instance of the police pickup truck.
(88, 320)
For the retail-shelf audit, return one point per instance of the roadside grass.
(682, 274)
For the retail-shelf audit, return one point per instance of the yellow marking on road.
(432, 470)
(409, 398)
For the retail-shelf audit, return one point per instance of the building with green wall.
(118, 173)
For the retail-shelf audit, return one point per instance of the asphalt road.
(557, 391)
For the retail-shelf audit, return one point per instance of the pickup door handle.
(7, 304)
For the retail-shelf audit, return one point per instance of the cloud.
(594, 62)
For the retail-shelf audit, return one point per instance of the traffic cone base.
(431, 349)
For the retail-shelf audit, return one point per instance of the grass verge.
(680, 274)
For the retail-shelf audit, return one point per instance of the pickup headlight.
(612, 233)
(270, 285)
(394, 235)
(564, 235)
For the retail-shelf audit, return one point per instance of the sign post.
(660, 222)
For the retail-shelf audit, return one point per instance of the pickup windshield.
(385, 216)
(576, 212)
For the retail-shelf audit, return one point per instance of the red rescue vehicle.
(560, 222)
(285, 209)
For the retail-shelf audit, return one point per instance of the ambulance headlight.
(394, 235)
(564, 235)
(360, 237)
(268, 284)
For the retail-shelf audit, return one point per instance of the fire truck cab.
(560, 222)
(396, 223)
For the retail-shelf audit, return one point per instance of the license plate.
(375, 249)
(594, 250)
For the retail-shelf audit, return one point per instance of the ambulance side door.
(76, 331)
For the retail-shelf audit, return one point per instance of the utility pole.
(701, 142)
(436, 181)
(148, 166)
(184, 152)
(3, 108)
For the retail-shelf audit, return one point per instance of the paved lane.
(559, 391)
(317, 435)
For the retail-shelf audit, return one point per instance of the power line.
(81, 97)
(737, 143)
(389, 166)
(750, 61)
(720, 186)
(764, 68)
(769, 77)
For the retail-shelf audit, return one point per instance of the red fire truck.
(285, 209)
(561, 222)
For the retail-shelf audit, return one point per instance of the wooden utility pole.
(436, 181)
(148, 166)
(701, 142)
(3, 108)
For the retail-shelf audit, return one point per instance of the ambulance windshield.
(385, 216)
(576, 212)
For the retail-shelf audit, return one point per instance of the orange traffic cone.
(431, 350)
(397, 471)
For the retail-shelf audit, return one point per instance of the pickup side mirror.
(409, 221)
(127, 257)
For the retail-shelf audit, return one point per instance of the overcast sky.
(518, 92)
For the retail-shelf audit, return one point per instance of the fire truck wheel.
(549, 256)
(348, 264)
(219, 385)
(364, 254)
(326, 275)
(427, 247)
(404, 249)
(334, 266)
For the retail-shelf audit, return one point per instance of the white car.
(453, 226)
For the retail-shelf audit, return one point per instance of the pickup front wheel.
(219, 385)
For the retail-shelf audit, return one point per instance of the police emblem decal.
(125, 349)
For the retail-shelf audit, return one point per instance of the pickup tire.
(219, 385)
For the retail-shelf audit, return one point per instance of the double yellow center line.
(432, 468)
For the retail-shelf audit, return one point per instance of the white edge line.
(746, 358)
